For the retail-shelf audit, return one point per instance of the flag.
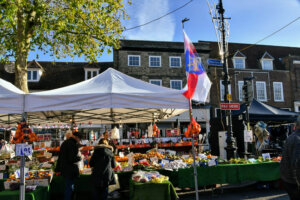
(198, 83)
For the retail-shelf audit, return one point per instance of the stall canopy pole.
(22, 168)
(193, 149)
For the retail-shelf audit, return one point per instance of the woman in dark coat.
(102, 162)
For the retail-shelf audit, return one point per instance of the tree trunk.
(21, 72)
(21, 51)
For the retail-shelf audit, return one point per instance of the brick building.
(275, 70)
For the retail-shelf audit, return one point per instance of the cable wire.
(127, 29)
(270, 34)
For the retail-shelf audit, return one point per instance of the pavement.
(252, 192)
(247, 191)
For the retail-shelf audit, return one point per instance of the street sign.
(229, 97)
(230, 106)
(214, 62)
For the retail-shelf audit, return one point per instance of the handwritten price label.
(23, 150)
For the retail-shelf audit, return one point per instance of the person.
(154, 147)
(290, 164)
(68, 134)
(102, 162)
(68, 162)
(110, 142)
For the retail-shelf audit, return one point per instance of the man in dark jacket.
(290, 164)
(102, 162)
(67, 163)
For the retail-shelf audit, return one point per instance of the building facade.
(274, 69)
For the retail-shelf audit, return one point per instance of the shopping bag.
(114, 187)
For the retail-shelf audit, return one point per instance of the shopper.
(290, 164)
(110, 142)
(67, 163)
(68, 134)
(102, 162)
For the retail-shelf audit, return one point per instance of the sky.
(251, 21)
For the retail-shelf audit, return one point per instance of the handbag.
(114, 187)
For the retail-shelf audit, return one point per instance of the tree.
(60, 27)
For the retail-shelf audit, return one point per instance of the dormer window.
(33, 75)
(34, 71)
(90, 73)
(239, 60)
(267, 61)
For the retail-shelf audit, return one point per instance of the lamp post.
(230, 149)
(248, 94)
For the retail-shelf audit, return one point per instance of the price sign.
(18, 172)
(23, 150)
(266, 156)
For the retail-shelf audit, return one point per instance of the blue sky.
(251, 20)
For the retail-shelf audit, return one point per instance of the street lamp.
(248, 95)
(230, 148)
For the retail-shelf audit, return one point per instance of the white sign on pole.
(248, 136)
(18, 173)
(23, 150)
(266, 156)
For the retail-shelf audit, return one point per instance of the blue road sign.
(214, 62)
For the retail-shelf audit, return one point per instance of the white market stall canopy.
(11, 98)
(110, 97)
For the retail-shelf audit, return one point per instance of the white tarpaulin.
(110, 97)
(11, 98)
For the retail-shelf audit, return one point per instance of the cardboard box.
(7, 184)
(2, 167)
(42, 182)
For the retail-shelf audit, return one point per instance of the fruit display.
(173, 157)
(153, 177)
(155, 154)
(278, 158)
(140, 156)
(238, 161)
(23, 134)
(40, 178)
(121, 159)
(195, 130)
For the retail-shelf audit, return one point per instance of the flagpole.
(193, 149)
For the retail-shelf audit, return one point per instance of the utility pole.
(230, 149)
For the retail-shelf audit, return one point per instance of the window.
(267, 64)
(222, 90)
(154, 61)
(261, 91)
(176, 84)
(175, 61)
(278, 91)
(241, 94)
(33, 75)
(155, 82)
(90, 73)
(239, 63)
(134, 60)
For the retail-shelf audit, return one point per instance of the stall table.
(41, 193)
(229, 173)
(220, 174)
(152, 191)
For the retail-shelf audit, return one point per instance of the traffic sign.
(230, 106)
(229, 97)
(214, 62)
